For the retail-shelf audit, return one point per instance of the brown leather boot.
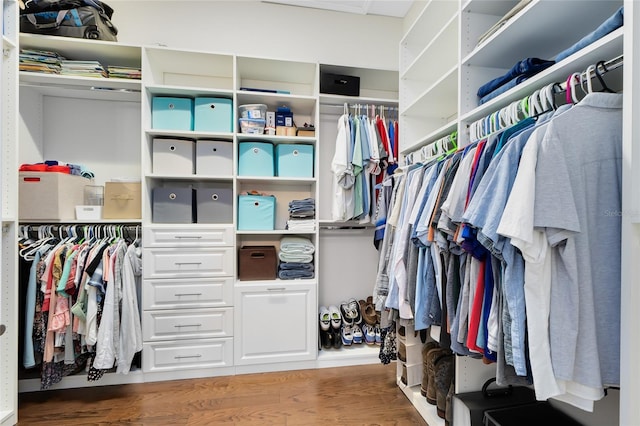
(444, 369)
(425, 376)
(431, 371)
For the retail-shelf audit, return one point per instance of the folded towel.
(296, 266)
(291, 275)
(292, 257)
(296, 245)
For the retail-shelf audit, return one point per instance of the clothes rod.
(605, 67)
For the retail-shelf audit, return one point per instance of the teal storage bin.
(168, 113)
(294, 160)
(213, 115)
(255, 159)
(256, 212)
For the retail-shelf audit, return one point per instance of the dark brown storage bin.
(257, 263)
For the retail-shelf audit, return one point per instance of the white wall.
(253, 28)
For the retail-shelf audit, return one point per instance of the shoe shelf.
(356, 354)
(427, 411)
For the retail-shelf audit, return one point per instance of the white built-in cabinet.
(8, 214)
(441, 68)
(198, 318)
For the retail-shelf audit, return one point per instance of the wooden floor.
(361, 395)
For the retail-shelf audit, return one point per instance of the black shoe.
(337, 339)
(325, 339)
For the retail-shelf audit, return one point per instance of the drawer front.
(188, 236)
(187, 324)
(187, 354)
(190, 293)
(188, 262)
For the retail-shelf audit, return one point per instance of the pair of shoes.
(350, 312)
(330, 339)
(434, 356)
(346, 335)
(444, 369)
(402, 351)
(369, 333)
(356, 331)
(425, 375)
(336, 318)
(325, 318)
(368, 312)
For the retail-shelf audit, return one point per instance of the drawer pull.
(188, 237)
(188, 294)
(188, 263)
(277, 289)
(187, 325)
(187, 356)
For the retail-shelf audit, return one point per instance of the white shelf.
(326, 99)
(80, 381)
(432, 137)
(82, 87)
(188, 177)
(277, 139)
(297, 104)
(274, 179)
(86, 222)
(439, 100)
(189, 134)
(274, 232)
(428, 23)
(169, 90)
(436, 57)
(428, 412)
(277, 282)
(349, 355)
(565, 24)
(607, 47)
(494, 7)
(106, 52)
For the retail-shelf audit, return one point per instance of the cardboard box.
(285, 131)
(50, 196)
(122, 200)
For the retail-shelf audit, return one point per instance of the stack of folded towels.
(296, 258)
(302, 215)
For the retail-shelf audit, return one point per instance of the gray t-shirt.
(578, 204)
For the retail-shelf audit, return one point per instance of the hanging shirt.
(343, 179)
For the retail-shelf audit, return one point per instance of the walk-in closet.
(444, 188)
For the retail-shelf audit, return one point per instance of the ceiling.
(393, 8)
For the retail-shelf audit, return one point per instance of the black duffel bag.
(68, 18)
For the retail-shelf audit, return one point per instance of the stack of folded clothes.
(521, 71)
(296, 257)
(302, 215)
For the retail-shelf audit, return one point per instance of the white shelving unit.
(8, 214)
(541, 29)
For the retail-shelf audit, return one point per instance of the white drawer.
(187, 324)
(187, 354)
(187, 293)
(194, 236)
(188, 262)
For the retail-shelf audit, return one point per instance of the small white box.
(173, 156)
(214, 158)
(271, 119)
(88, 212)
(288, 121)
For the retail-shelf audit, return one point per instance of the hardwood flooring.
(360, 395)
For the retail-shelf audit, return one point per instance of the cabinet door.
(275, 322)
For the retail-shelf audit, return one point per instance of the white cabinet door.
(275, 322)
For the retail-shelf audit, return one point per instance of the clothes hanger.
(605, 88)
(571, 88)
(588, 79)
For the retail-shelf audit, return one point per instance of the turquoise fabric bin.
(213, 115)
(255, 159)
(168, 113)
(294, 160)
(256, 212)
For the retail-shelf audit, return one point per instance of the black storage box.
(540, 413)
(337, 84)
(477, 403)
(257, 263)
